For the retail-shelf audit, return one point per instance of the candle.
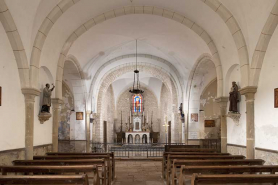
(130, 117)
(147, 116)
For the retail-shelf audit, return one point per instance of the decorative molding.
(240, 146)
(18, 149)
(266, 150)
(234, 116)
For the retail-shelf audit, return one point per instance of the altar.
(137, 137)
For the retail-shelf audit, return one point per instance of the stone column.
(56, 111)
(88, 113)
(249, 93)
(222, 101)
(29, 95)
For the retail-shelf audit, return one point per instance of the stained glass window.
(137, 103)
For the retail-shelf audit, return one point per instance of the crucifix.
(166, 128)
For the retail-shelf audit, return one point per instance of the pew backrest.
(233, 178)
(44, 179)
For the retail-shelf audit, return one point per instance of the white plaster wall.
(266, 116)
(43, 132)
(12, 111)
(236, 129)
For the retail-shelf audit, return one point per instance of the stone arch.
(149, 10)
(120, 70)
(42, 33)
(74, 74)
(219, 74)
(16, 44)
(237, 34)
(130, 139)
(261, 47)
(137, 139)
(179, 85)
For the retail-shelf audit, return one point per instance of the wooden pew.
(196, 157)
(44, 179)
(192, 150)
(168, 147)
(188, 170)
(219, 162)
(70, 153)
(233, 178)
(98, 162)
(68, 157)
(90, 170)
(165, 156)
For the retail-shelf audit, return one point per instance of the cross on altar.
(166, 126)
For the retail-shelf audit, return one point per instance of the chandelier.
(136, 83)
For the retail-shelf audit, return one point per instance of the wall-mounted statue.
(181, 111)
(46, 102)
(233, 98)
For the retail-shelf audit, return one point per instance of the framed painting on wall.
(209, 123)
(194, 117)
(79, 115)
(276, 98)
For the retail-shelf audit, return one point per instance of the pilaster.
(88, 113)
(222, 101)
(29, 95)
(56, 109)
(249, 93)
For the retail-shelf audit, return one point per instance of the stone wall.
(269, 156)
(107, 114)
(67, 106)
(165, 110)
(6, 157)
(150, 106)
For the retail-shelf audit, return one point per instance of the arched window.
(137, 103)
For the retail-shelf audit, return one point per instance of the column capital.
(88, 112)
(249, 92)
(30, 93)
(57, 101)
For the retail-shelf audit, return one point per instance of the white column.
(56, 110)
(29, 95)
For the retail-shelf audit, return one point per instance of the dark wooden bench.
(233, 178)
(220, 162)
(69, 157)
(90, 170)
(99, 162)
(171, 158)
(192, 150)
(168, 147)
(112, 157)
(44, 179)
(165, 156)
(189, 170)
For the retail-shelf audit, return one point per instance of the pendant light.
(136, 83)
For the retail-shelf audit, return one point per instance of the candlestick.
(147, 116)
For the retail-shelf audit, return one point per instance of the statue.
(233, 98)
(181, 111)
(46, 102)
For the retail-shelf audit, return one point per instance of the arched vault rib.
(261, 47)
(136, 10)
(238, 37)
(16, 44)
(41, 35)
(179, 82)
(116, 72)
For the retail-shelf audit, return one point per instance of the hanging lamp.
(136, 83)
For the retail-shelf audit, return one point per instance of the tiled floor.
(138, 173)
